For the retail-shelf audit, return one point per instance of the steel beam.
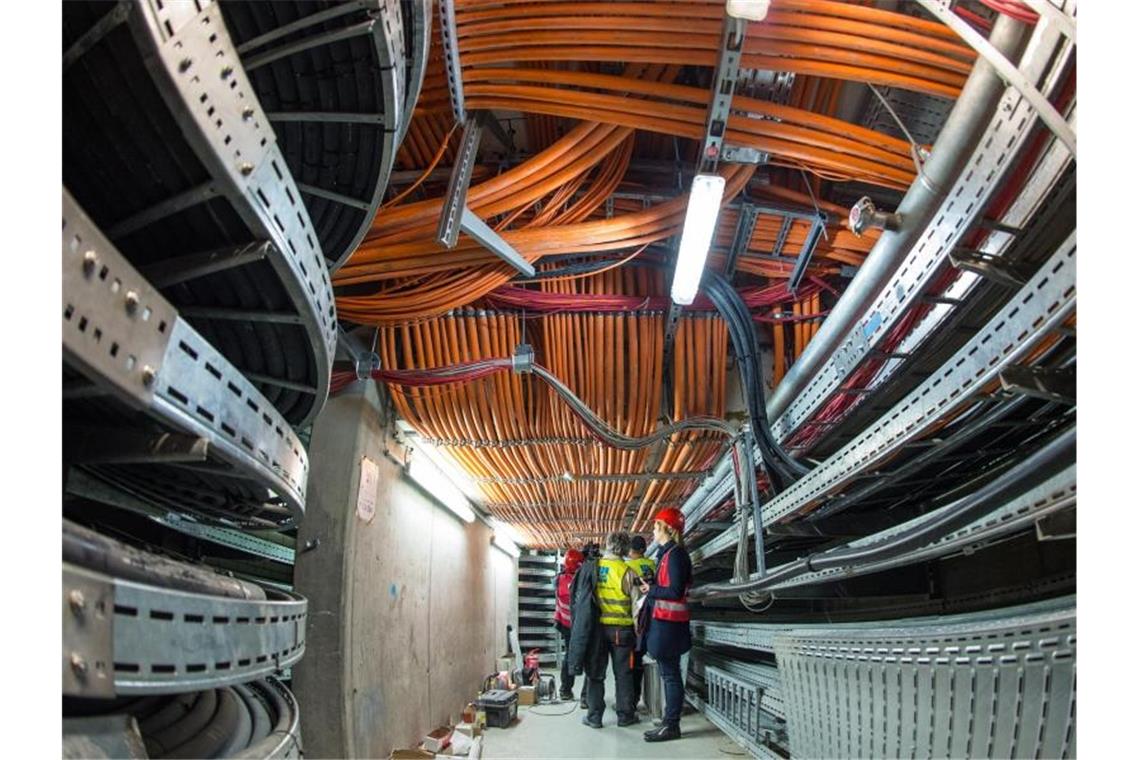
(317, 40)
(240, 315)
(302, 23)
(335, 197)
(163, 209)
(192, 266)
(327, 116)
(117, 15)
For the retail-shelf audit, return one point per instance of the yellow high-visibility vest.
(641, 564)
(613, 601)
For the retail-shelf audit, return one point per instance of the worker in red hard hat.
(562, 620)
(668, 636)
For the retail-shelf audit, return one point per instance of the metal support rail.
(196, 71)
(1055, 495)
(723, 87)
(632, 477)
(1016, 76)
(732, 731)
(450, 38)
(128, 340)
(986, 685)
(1048, 299)
(964, 204)
(122, 637)
(83, 484)
(1044, 177)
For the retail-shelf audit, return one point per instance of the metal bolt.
(246, 169)
(132, 299)
(247, 113)
(90, 258)
(148, 375)
(184, 64)
(227, 72)
(79, 665)
(76, 600)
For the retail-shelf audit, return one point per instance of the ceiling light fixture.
(752, 10)
(696, 236)
(433, 480)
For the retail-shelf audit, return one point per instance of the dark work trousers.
(567, 684)
(616, 646)
(674, 688)
(638, 677)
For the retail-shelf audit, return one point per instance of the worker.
(668, 636)
(614, 638)
(562, 620)
(645, 568)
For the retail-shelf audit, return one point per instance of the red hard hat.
(672, 517)
(574, 559)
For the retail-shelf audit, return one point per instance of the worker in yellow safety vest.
(645, 568)
(614, 639)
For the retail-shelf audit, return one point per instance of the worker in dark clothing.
(562, 620)
(644, 568)
(668, 636)
(615, 642)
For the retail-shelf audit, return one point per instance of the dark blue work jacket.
(666, 638)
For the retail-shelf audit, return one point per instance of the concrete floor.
(556, 731)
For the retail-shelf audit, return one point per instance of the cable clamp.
(522, 361)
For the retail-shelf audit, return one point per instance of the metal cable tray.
(123, 637)
(338, 90)
(258, 720)
(167, 148)
(152, 407)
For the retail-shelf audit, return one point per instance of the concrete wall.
(407, 612)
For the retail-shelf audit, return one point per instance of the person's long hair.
(674, 535)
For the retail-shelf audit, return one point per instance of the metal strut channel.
(456, 217)
(1048, 299)
(723, 86)
(745, 227)
(450, 38)
(124, 638)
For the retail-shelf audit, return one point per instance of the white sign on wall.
(366, 495)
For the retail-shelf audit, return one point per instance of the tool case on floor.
(501, 706)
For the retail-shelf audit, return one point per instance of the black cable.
(1031, 471)
(781, 467)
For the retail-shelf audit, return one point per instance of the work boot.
(664, 734)
(566, 695)
(628, 720)
(592, 724)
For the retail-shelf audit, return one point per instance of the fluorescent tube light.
(506, 530)
(696, 236)
(505, 545)
(753, 10)
(432, 479)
